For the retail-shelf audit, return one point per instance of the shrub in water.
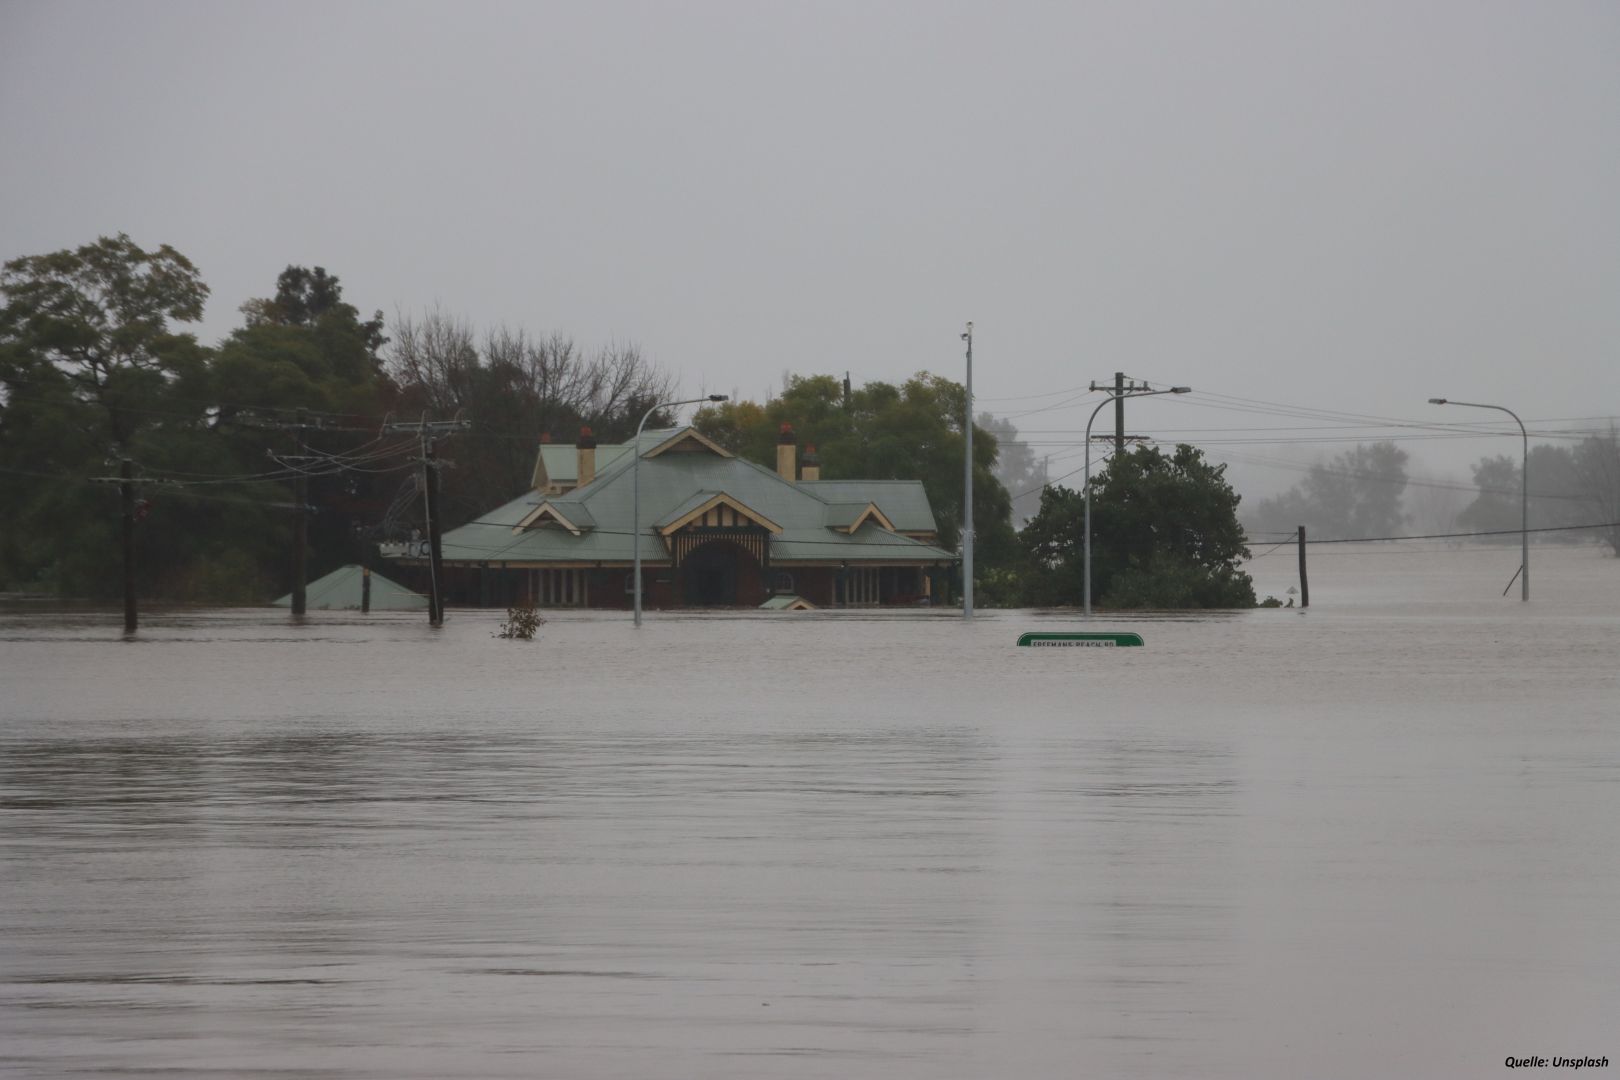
(521, 623)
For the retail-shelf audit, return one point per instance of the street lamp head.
(1437, 401)
(1181, 389)
(719, 397)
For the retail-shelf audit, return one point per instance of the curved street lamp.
(1524, 491)
(635, 486)
(1106, 400)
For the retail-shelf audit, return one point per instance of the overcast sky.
(1348, 206)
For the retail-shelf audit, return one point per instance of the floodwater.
(1377, 837)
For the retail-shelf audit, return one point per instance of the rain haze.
(1350, 207)
(815, 815)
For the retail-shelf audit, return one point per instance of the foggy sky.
(1345, 206)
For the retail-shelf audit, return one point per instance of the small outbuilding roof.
(787, 603)
(340, 591)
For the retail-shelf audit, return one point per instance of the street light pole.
(967, 488)
(1524, 491)
(635, 488)
(1116, 396)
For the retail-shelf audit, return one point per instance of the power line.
(1462, 535)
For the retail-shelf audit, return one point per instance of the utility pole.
(299, 463)
(430, 497)
(300, 519)
(363, 536)
(1304, 582)
(126, 500)
(130, 512)
(967, 488)
(1119, 412)
(430, 494)
(1130, 391)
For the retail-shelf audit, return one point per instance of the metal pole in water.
(967, 488)
(1304, 582)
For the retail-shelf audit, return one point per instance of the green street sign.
(1079, 640)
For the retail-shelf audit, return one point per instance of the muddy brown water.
(1378, 837)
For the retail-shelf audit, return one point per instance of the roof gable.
(688, 440)
(847, 517)
(572, 516)
(704, 503)
(904, 502)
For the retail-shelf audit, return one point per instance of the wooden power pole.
(430, 497)
(1304, 582)
(1119, 412)
(300, 521)
(126, 500)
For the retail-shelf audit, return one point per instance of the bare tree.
(515, 387)
(436, 357)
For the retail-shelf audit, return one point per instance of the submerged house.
(716, 531)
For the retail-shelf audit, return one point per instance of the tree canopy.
(880, 431)
(1165, 534)
(1356, 494)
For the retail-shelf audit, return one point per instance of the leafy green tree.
(1017, 468)
(92, 372)
(1165, 534)
(1555, 493)
(883, 432)
(1356, 494)
(99, 317)
(303, 349)
(305, 298)
(1597, 468)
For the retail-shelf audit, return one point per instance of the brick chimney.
(812, 465)
(787, 454)
(587, 457)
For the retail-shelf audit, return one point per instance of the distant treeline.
(1366, 493)
(103, 393)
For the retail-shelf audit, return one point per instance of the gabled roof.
(687, 439)
(674, 484)
(787, 603)
(701, 503)
(903, 501)
(869, 543)
(847, 517)
(341, 591)
(569, 513)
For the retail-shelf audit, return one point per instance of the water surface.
(1375, 837)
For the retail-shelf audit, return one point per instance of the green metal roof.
(562, 461)
(675, 480)
(698, 499)
(784, 603)
(340, 591)
(574, 510)
(903, 501)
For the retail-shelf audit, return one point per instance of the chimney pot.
(787, 454)
(586, 448)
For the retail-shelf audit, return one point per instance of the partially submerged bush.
(522, 621)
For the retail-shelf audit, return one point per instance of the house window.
(782, 582)
(559, 588)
